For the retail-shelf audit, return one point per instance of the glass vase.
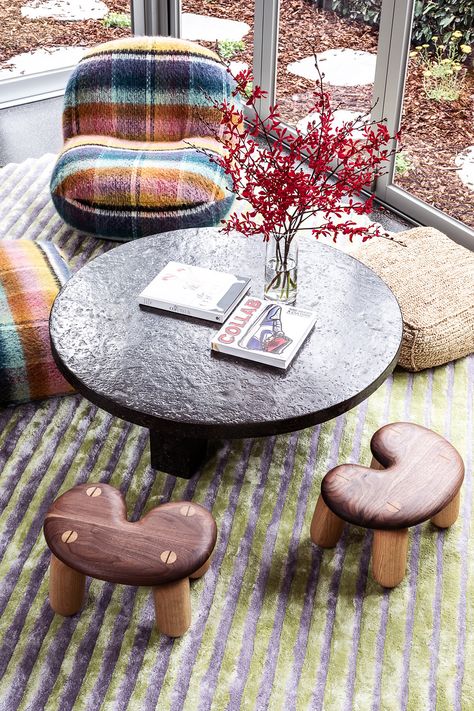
(281, 269)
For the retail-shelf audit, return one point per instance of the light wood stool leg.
(173, 607)
(326, 527)
(66, 588)
(389, 556)
(447, 516)
(200, 571)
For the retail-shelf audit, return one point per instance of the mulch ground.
(18, 34)
(432, 133)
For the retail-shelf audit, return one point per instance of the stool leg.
(66, 588)
(200, 571)
(173, 607)
(326, 527)
(447, 516)
(389, 556)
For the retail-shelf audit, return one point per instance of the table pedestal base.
(179, 456)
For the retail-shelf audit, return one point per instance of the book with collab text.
(195, 291)
(265, 332)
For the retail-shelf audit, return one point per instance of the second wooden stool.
(88, 534)
(415, 475)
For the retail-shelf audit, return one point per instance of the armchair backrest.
(146, 89)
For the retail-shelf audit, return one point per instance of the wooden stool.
(415, 475)
(88, 533)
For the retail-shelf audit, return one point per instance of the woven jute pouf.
(433, 280)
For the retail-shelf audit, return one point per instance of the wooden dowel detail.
(447, 516)
(173, 607)
(326, 527)
(389, 556)
(66, 588)
(200, 571)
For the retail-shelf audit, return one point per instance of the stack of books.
(253, 329)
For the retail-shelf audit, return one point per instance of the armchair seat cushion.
(31, 274)
(124, 189)
(433, 280)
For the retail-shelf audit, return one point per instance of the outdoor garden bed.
(19, 34)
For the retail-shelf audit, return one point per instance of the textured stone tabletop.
(156, 368)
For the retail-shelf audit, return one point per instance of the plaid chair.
(137, 111)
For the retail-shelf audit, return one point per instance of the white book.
(195, 291)
(264, 332)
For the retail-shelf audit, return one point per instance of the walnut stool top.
(87, 529)
(423, 473)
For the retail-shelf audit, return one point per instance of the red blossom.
(293, 177)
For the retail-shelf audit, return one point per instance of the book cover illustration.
(265, 332)
(195, 291)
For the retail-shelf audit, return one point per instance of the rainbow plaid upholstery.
(137, 114)
(31, 274)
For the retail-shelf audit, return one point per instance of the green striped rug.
(277, 623)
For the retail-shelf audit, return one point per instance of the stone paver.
(465, 161)
(65, 10)
(202, 27)
(341, 67)
(341, 116)
(42, 60)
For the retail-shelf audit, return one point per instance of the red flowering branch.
(293, 177)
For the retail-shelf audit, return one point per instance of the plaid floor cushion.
(31, 274)
(137, 113)
(122, 189)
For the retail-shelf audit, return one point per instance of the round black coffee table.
(156, 369)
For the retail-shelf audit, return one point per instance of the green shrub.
(403, 164)
(431, 17)
(227, 49)
(117, 19)
(441, 18)
(363, 10)
(443, 73)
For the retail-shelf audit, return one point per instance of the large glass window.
(344, 39)
(425, 82)
(405, 57)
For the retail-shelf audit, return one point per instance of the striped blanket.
(31, 274)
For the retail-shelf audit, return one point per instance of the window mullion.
(266, 49)
(394, 39)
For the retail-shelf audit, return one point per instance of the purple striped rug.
(277, 623)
